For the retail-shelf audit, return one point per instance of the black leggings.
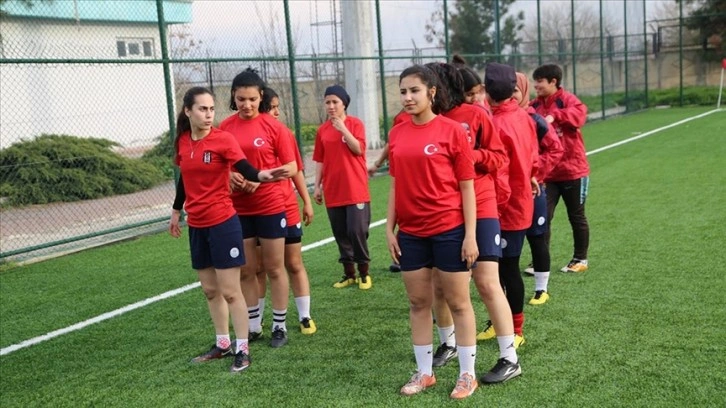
(512, 283)
(540, 253)
(574, 194)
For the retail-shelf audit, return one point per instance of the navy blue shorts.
(219, 246)
(488, 239)
(264, 226)
(294, 234)
(442, 251)
(512, 242)
(539, 218)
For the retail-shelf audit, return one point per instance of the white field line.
(171, 293)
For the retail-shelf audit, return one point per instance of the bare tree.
(556, 30)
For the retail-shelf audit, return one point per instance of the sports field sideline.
(643, 327)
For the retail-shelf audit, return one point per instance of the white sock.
(255, 318)
(506, 348)
(261, 304)
(540, 280)
(467, 360)
(278, 319)
(424, 358)
(223, 341)
(242, 345)
(446, 335)
(303, 307)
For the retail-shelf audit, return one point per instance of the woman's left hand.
(469, 252)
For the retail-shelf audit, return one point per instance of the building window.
(135, 47)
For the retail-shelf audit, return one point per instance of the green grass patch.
(642, 328)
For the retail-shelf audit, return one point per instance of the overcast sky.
(240, 26)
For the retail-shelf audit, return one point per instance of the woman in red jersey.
(432, 201)
(204, 156)
(341, 176)
(293, 240)
(550, 153)
(516, 183)
(489, 156)
(261, 208)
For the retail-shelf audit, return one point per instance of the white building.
(122, 102)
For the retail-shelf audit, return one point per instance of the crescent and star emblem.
(258, 142)
(430, 149)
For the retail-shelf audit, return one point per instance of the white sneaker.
(529, 270)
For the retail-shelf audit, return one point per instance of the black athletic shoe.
(241, 362)
(394, 267)
(213, 354)
(502, 371)
(444, 354)
(279, 338)
(254, 336)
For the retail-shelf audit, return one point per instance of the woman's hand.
(469, 251)
(393, 247)
(338, 124)
(535, 187)
(236, 181)
(318, 195)
(278, 173)
(308, 214)
(174, 228)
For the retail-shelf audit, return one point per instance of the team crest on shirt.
(430, 149)
(468, 131)
(258, 142)
(207, 158)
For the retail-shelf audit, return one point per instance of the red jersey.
(488, 153)
(401, 117)
(428, 162)
(519, 136)
(570, 115)
(550, 148)
(345, 175)
(204, 165)
(266, 143)
(292, 208)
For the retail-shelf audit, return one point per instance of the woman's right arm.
(318, 191)
(391, 238)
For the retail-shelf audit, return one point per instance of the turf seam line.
(178, 291)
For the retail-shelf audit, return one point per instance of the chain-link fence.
(88, 88)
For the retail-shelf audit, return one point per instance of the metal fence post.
(167, 73)
(446, 29)
(645, 53)
(574, 47)
(627, 84)
(381, 70)
(539, 34)
(293, 77)
(602, 66)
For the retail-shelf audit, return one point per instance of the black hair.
(430, 79)
(182, 121)
(451, 79)
(549, 72)
(268, 94)
(471, 78)
(458, 61)
(250, 77)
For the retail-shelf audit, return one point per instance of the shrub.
(52, 168)
(161, 155)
